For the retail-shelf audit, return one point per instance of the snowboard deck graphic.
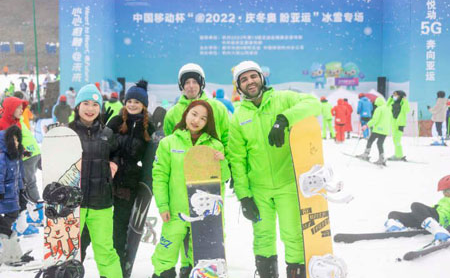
(61, 162)
(203, 176)
(306, 150)
(137, 225)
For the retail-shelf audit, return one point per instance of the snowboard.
(350, 238)
(306, 150)
(136, 225)
(202, 175)
(61, 163)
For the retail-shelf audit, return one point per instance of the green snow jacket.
(401, 119)
(28, 141)
(169, 186)
(382, 117)
(254, 163)
(443, 209)
(326, 110)
(115, 107)
(221, 116)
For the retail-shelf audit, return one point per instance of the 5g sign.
(427, 27)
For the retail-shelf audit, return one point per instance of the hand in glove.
(108, 113)
(276, 134)
(249, 209)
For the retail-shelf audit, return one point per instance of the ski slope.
(376, 191)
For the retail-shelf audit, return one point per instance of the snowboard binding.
(203, 204)
(319, 178)
(209, 268)
(327, 266)
(61, 199)
(68, 269)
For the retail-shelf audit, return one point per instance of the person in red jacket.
(12, 111)
(348, 123)
(340, 113)
(31, 87)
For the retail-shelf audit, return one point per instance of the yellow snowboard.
(306, 151)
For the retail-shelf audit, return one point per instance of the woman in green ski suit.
(195, 128)
(400, 108)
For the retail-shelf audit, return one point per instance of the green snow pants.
(284, 203)
(100, 225)
(397, 138)
(327, 124)
(171, 242)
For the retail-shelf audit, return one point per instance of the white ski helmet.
(191, 68)
(245, 66)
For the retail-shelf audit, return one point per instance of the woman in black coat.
(133, 130)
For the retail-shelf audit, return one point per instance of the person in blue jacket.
(11, 187)
(364, 110)
(220, 96)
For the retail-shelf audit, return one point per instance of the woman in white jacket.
(438, 112)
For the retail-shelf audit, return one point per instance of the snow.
(376, 191)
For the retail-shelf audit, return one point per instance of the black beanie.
(194, 75)
(138, 92)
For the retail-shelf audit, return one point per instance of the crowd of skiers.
(120, 151)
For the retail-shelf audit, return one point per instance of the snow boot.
(267, 267)
(11, 252)
(170, 273)
(394, 158)
(30, 230)
(295, 271)
(380, 160)
(365, 155)
(185, 271)
(327, 266)
(440, 233)
(393, 225)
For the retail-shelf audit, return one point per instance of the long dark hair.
(10, 133)
(210, 126)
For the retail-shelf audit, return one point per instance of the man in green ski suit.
(262, 169)
(400, 108)
(327, 118)
(191, 81)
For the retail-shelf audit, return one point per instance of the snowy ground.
(376, 191)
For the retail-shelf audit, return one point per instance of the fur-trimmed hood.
(7, 142)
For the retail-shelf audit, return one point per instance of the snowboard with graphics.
(306, 151)
(61, 164)
(203, 176)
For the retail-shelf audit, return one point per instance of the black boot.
(170, 273)
(185, 271)
(267, 267)
(295, 271)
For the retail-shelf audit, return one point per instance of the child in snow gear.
(197, 127)
(400, 108)
(11, 185)
(97, 171)
(364, 111)
(327, 118)
(348, 122)
(340, 113)
(380, 124)
(435, 219)
(438, 113)
(262, 165)
(133, 130)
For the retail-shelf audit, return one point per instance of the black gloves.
(249, 209)
(401, 128)
(108, 113)
(27, 153)
(276, 134)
